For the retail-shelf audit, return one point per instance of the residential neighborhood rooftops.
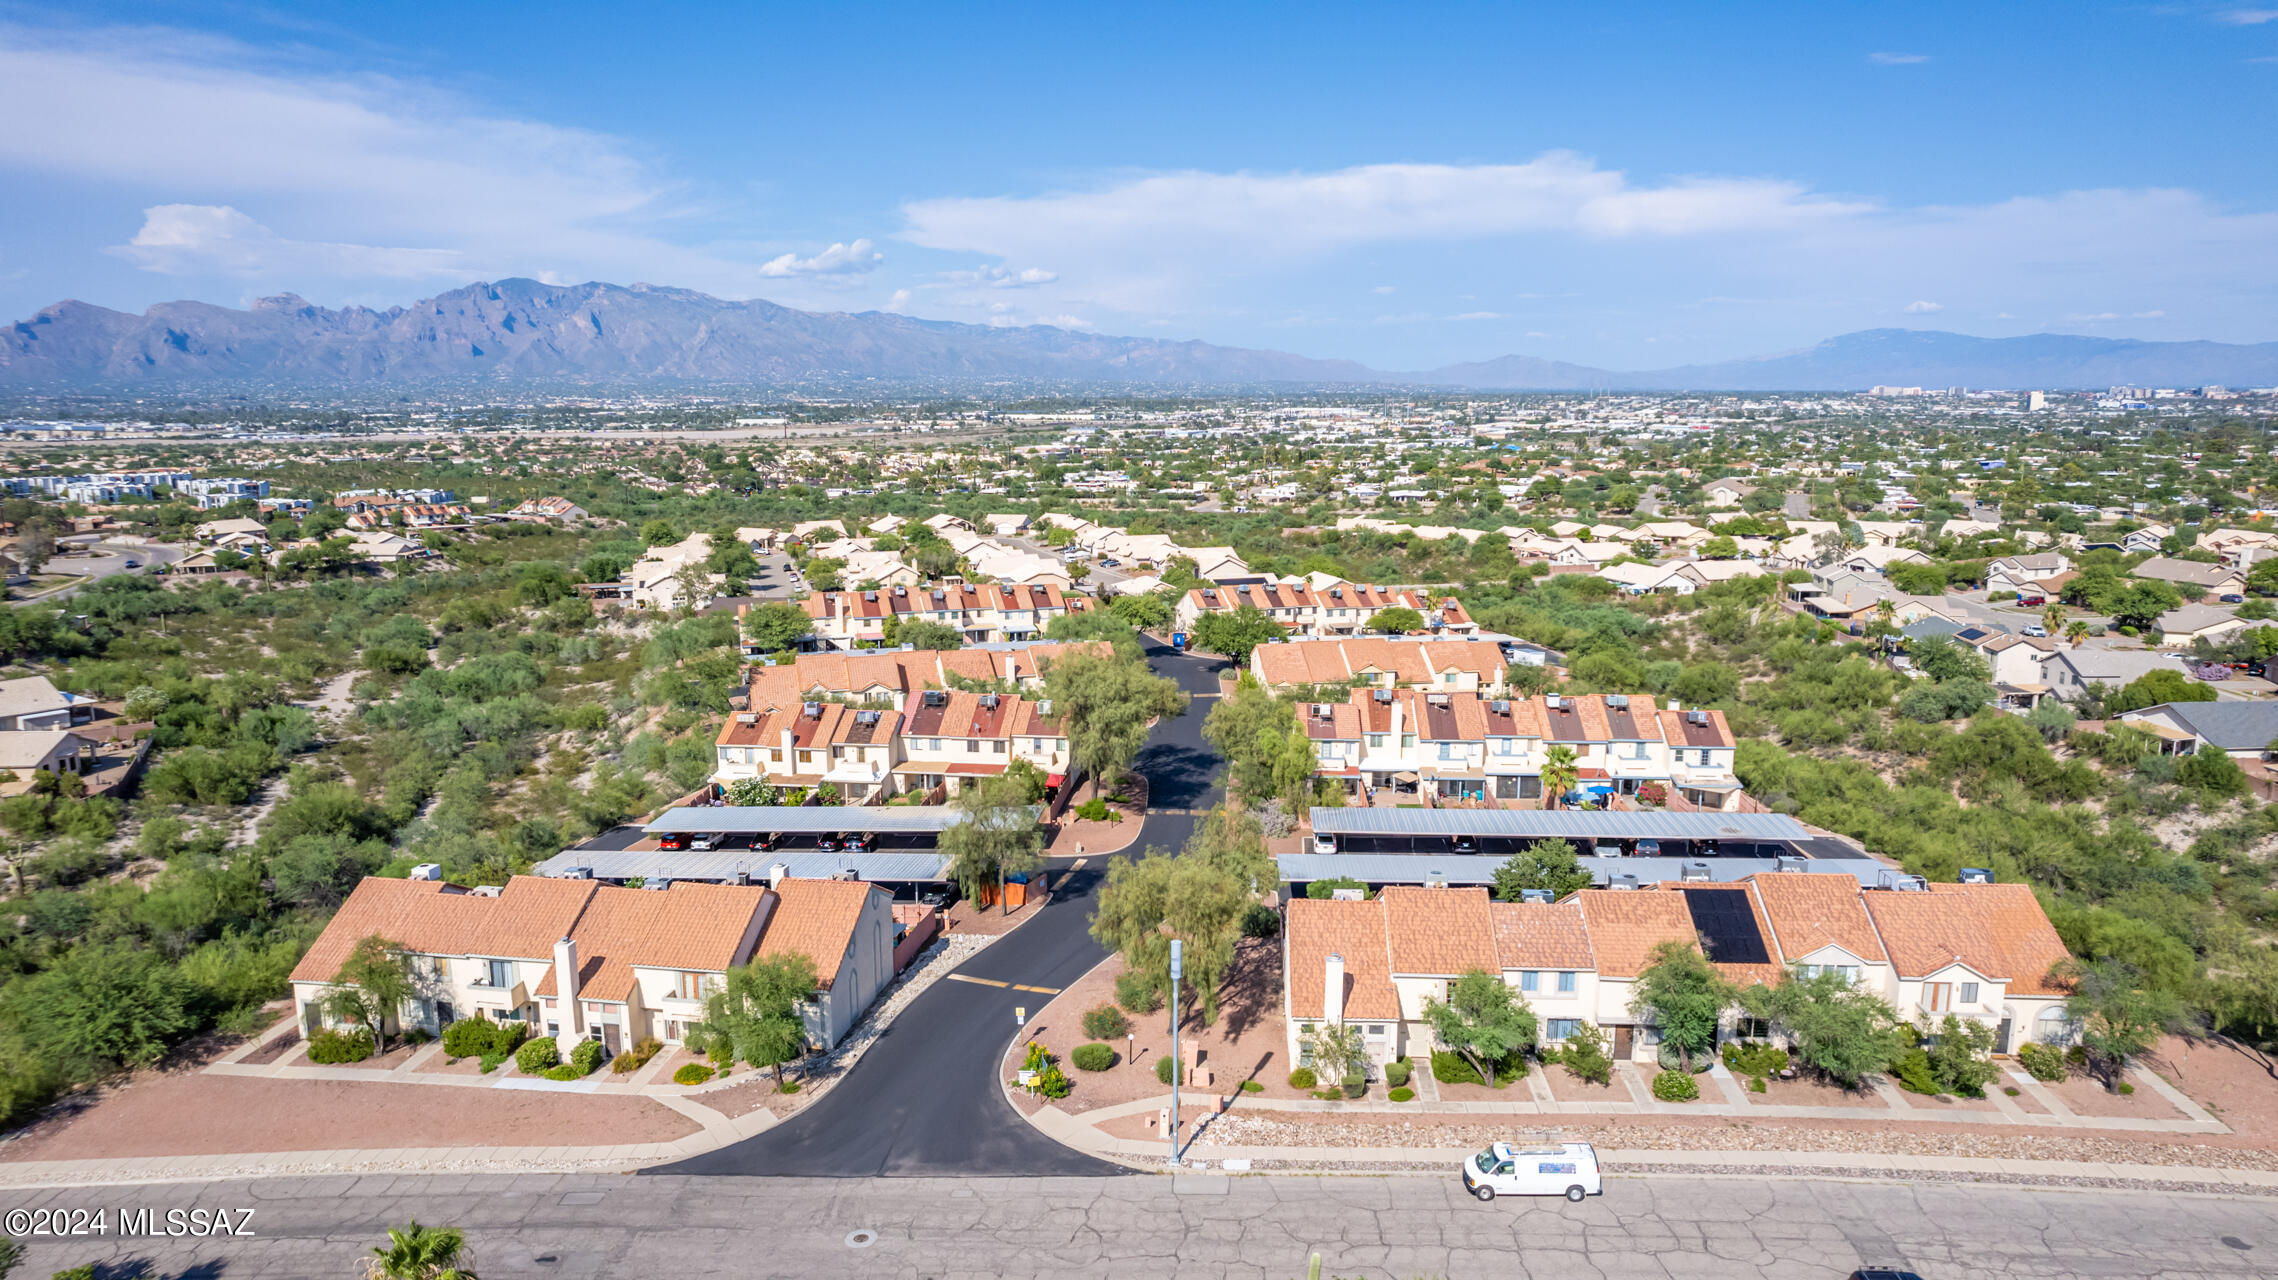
(1570, 824)
(2229, 726)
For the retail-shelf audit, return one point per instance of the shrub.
(587, 1056)
(1584, 1056)
(1105, 1022)
(2123, 1088)
(1397, 1073)
(2011, 1090)
(1165, 1068)
(1303, 1078)
(2044, 1063)
(792, 1086)
(470, 1038)
(1355, 1084)
(1676, 1086)
(1912, 1070)
(638, 1056)
(1666, 1057)
(1092, 810)
(492, 1061)
(1402, 1094)
(1452, 1068)
(1756, 1084)
(1092, 1057)
(1053, 1083)
(1261, 921)
(563, 1071)
(692, 1073)
(1253, 1086)
(329, 1046)
(1137, 992)
(536, 1055)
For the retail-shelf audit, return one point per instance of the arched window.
(2055, 1027)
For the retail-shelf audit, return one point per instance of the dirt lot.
(1815, 1093)
(1565, 1087)
(2236, 1083)
(186, 1113)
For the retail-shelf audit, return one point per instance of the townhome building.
(1388, 663)
(981, 613)
(579, 960)
(1982, 952)
(953, 738)
(1336, 608)
(811, 744)
(2193, 578)
(556, 508)
(33, 702)
(891, 677)
(2027, 575)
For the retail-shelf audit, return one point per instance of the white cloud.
(1384, 288)
(838, 260)
(1897, 59)
(1478, 315)
(2147, 315)
(188, 239)
(1066, 321)
(899, 299)
(1002, 277)
(2247, 17)
(1923, 308)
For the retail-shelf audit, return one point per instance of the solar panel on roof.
(1727, 926)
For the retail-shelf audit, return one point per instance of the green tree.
(1234, 634)
(1834, 1027)
(103, 1006)
(757, 1010)
(2120, 1016)
(2155, 687)
(1546, 864)
(1720, 548)
(1482, 1019)
(772, 628)
(1145, 611)
(1684, 995)
(1106, 704)
(996, 836)
(1939, 658)
(2140, 604)
(1559, 774)
(1243, 727)
(923, 633)
(1336, 1052)
(371, 986)
(1397, 620)
(1960, 1056)
(415, 1252)
(1198, 895)
(659, 533)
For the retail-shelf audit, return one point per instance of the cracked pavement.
(1393, 1228)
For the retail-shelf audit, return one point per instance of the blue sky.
(1624, 185)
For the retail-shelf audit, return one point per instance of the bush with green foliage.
(1261, 921)
(1253, 1086)
(1676, 1086)
(1451, 1068)
(1303, 1078)
(1325, 889)
(1911, 1068)
(1092, 1057)
(692, 1073)
(536, 1055)
(1584, 1056)
(493, 1061)
(1166, 1068)
(1397, 1073)
(1138, 992)
(1105, 1022)
(1052, 1082)
(2044, 1063)
(1402, 1094)
(638, 1056)
(327, 1046)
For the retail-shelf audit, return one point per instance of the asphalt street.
(576, 1227)
(102, 560)
(926, 1101)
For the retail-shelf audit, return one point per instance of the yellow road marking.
(1003, 986)
(986, 982)
(1042, 991)
(1078, 864)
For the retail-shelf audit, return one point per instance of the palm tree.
(1885, 610)
(415, 1252)
(2076, 633)
(2052, 617)
(1558, 774)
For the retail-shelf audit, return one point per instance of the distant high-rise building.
(2035, 401)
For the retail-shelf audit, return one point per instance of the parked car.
(2036, 631)
(855, 841)
(1324, 844)
(700, 842)
(2233, 598)
(1466, 844)
(827, 842)
(766, 841)
(1110, 561)
(1649, 848)
(2031, 602)
(134, 564)
(1569, 1169)
(941, 899)
(672, 840)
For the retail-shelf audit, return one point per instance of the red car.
(672, 840)
(2031, 602)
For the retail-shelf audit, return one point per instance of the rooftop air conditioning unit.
(1790, 862)
(1977, 875)
(866, 717)
(899, 592)
(1903, 883)
(1383, 695)
(1617, 701)
(1536, 895)
(1500, 706)
(484, 891)
(657, 882)
(578, 873)
(747, 717)
(870, 597)
(1622, 882)
(846, 873)
(1437, 699)
(1696, 872)
(743, 873)
(1348, 895)
(1553, 702)
(936, 698)
(1697, 717)
(427, 871)
(813, 710)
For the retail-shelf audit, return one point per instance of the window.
(1560, 1030)
(775, 754)
(1376, 1029)
(692, 986)
(501, 974)
(1529, 980)
(996, 747)
(1850, 972)
(1407, 739)
(1704, 759)
(973, 744)
(1566, 983)
(1937, 997)
(1447, 751)
(1376, 739)
(1969, 993)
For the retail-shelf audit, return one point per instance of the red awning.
(1055, 779)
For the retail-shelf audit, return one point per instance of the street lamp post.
(1177, 966)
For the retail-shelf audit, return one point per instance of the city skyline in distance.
(1610, 192)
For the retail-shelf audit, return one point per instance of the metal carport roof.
(807, 819)
(722, 864)
(1571, 824)
(1464, 868)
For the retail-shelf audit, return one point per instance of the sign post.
(1177, 966)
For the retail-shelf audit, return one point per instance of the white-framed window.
(1566, 982)
(1529, 980)
(1560, 1030)
(501, 974)
(1969, 993)
(1850, 972)
(1704, 759)
(1376, 1030)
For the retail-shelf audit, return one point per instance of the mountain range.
(527, 334)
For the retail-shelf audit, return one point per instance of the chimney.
(776, 874)
(1333, 991)
(566, 997)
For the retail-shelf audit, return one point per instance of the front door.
(1621, 1044)
(445, 1015)
(2001, 1037)
(609, 1039)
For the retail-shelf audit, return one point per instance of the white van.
(1569, 1169)
(1324, 844)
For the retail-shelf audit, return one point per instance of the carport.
(1499, 833)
